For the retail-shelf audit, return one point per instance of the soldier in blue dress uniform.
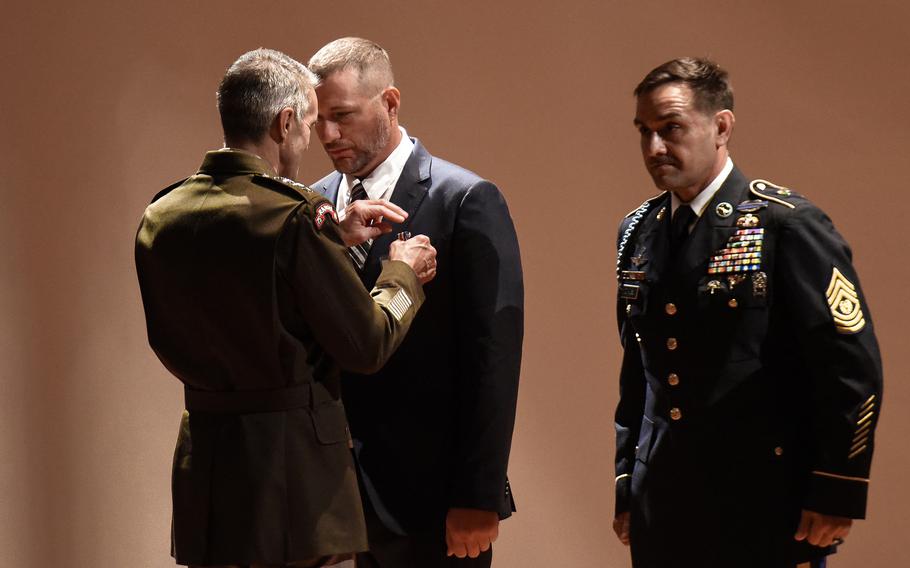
(751, 380)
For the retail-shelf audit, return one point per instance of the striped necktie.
(359, 252)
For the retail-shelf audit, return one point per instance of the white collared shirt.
(705, 196)
(381, 181)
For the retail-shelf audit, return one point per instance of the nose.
(327, 131)
(654, 145)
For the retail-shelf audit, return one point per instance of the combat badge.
(324, 210)
(844, 304)
(751, 206)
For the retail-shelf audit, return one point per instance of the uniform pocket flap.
(330, 423)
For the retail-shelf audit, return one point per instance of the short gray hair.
(368, 58)
(256, 88)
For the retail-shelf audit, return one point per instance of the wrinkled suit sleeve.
(489, 307)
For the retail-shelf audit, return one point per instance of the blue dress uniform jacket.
(750, 382)
(433, 429)
(253, 303)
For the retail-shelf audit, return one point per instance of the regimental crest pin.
(723, 210)
(844, 304)
(661, 213)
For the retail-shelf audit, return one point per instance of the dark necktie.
(359, 252)
(679, 228)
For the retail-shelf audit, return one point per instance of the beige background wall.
(104, 103)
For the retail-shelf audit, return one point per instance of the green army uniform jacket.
(252, 301)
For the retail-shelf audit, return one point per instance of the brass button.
(670, 308)
(672, 343)
(628, 309)
(778, 451)
(675, 413)
(637, 337)
(673, 379)
(732, 303)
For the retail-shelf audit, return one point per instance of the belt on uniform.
(250, 401)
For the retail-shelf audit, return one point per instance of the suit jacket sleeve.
(629, 411)
(489, 308)
(821, 291)
(359, 330)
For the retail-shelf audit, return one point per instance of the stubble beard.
(375, 145)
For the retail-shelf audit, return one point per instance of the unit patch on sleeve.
(844, 304)
(324, 210)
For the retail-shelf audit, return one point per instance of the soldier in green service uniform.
(253, 302)
(751, 380)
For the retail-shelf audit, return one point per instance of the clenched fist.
(418, 253)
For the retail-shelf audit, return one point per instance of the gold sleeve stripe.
(863, 430)
(864, 419)
(844, 477)
(868, 402)
(618, 477)
(859, 443)
(856, 452)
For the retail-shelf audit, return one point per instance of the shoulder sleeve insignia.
(324, 211)
(843, 302)
(767, 190)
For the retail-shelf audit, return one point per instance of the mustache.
(655, 162)
(338, 145)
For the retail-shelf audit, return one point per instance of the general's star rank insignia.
(844, 304)
(324, 210)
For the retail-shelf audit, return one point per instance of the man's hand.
(822, 530)
(470, 532)
(621, 527)
(366, 219)
(419, 254)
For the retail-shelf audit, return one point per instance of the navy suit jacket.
(432, 430)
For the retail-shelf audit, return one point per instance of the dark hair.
(709, 82)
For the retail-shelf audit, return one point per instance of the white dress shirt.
(705, 196)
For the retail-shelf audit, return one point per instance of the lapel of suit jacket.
(329, 188)
(706, 237)
(408, 194)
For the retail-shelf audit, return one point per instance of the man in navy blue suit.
(432, 430)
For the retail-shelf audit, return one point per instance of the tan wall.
(104, 103)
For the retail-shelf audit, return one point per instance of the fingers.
(805, 521)
(822, 530)
(621, 528)
(377, 210)
(470, 532)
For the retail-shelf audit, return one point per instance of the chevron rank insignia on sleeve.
(844, 304)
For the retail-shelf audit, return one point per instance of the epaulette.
(648, 200)
(779, 194)
(287, 186)
(168, 189)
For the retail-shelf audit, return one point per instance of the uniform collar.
(704, 196)
(233, 161)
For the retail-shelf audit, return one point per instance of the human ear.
(281, 125)
(723, 122)
(392, 98)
